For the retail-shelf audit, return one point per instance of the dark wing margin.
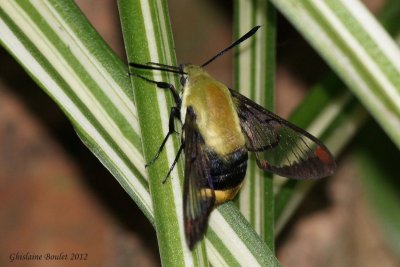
(280, 146)
(198, 195)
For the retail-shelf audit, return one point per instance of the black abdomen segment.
(228, 172)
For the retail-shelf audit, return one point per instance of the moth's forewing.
(198, 195)
(280, 146)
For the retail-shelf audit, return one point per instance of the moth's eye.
(183, 80)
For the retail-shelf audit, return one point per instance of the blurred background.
(55, 196)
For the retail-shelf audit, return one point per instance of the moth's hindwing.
(280, 146)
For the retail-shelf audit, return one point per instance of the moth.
(219, 128)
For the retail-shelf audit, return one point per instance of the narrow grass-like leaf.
(254, 78)
(232, 234)
(358, 50)
(345, 123)
(148, 38)
(56, 45)
(60, 50)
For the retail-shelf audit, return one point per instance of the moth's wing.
(280, 146)
(198, 195)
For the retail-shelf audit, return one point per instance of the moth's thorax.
(216, 116)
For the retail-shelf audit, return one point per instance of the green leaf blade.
(363, 55)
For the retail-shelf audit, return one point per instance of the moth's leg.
(175, 114)
(174, 163)
(165, 85)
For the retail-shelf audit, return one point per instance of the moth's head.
(191, 72)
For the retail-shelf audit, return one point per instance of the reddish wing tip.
(323, 155)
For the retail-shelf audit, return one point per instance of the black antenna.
(162, 67)
(241, 39)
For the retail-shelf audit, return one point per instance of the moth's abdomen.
(227, 174)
